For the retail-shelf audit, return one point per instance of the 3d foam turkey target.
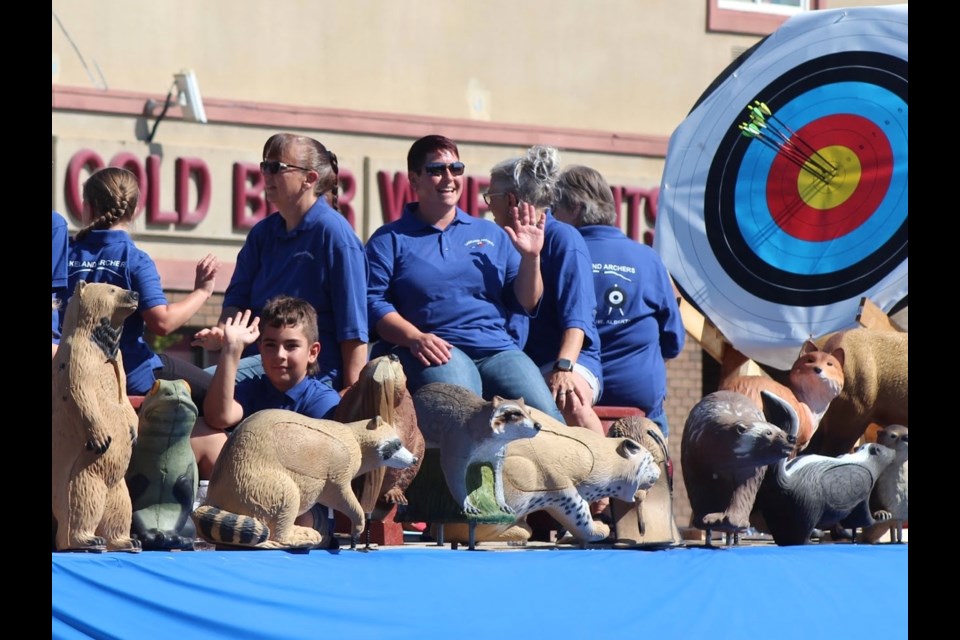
(784, 194)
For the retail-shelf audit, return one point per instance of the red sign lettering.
(249, 205)
(82, 161)
(192, 175)
(393, 195)
(348, 189)
(184, 170)
(154, 214)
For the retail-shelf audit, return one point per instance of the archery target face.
(770, 253)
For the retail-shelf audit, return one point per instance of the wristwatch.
(563, 365)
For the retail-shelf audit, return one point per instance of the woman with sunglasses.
(103, 251)
(562, 339)
(305, 249)
(443, 283)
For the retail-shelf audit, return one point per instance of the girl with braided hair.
(103, 251)
(305, 249)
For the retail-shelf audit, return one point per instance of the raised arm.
(526, 233)
(165, 319)
(220, 409)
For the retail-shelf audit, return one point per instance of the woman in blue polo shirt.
(637, 315)
(562, 339)
(442, 284)
(104, 252)
(305, 249)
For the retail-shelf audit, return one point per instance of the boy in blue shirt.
(289, 348)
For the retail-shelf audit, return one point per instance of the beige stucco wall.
(604, 64)
(615, 67)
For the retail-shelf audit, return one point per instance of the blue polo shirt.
(322, 261)
(111, 256)
(61, 243)
(637, 318)
(568, 302)
(456, 283)
(309, 397)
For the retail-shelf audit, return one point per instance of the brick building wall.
(684, 389)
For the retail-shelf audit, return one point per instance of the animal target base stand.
(648, 521)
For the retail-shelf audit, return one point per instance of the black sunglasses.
(436, 168)
(273, 167)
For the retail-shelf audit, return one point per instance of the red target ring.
(856, 158)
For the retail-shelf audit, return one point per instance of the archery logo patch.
(479, 243)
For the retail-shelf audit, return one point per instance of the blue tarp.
(827, 590)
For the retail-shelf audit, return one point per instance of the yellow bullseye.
(840, 184)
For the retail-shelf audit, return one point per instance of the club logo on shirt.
(103, 263)
(481, 242)
(616, 298)
(614, 270)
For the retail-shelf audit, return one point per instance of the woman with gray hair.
(562, 337)
(636, 309)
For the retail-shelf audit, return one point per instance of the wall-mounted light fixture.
(188, 97)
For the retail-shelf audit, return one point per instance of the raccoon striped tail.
(216, 525)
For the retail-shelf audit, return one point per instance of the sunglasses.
(273, 167)
(488, 196)
(436, 168)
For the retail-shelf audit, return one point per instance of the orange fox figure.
(816, 378)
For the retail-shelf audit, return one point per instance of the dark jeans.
(178, 369)
(508, 374)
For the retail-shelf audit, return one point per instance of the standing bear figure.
(726, 448)
(875, 387)
(94, 424)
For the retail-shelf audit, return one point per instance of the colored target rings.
(816, 212)
(783, 201)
